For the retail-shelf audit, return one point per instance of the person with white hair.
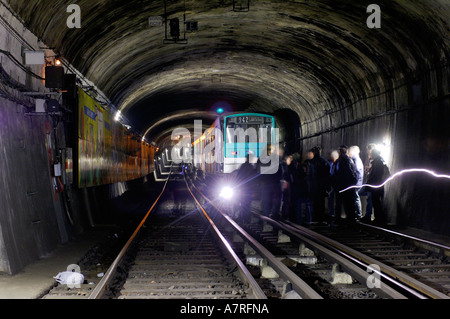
(353, 153)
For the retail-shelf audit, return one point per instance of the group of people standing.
(309, 186)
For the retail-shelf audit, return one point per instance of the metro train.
(231, 140)
(107, 152)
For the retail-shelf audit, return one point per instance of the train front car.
(246, 135)
(220, 152)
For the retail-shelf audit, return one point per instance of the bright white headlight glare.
(226, 192)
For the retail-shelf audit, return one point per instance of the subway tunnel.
(331, 72)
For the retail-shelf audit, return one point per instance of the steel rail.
(258, 293)
(101, 287)
(395, 275)
(300, 286)
(347, 265)
(413, 238)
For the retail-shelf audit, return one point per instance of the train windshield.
(249, 129)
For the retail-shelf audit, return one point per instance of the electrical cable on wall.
(20, 65)
(7, 83)
(14, 33)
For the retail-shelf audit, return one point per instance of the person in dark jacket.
(286, 183)
(270, 187)
(345, 176)
(320, 183)
(363, 191)
(377, 173)
(246, 176)
(293, 169)
(301, 193)
(334, 200)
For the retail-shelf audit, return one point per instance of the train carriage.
(225, 146)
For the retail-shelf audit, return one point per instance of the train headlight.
(226, 192)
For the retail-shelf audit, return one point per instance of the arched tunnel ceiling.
(313, 57)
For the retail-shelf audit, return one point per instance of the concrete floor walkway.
(37, 278)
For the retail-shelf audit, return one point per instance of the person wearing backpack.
(378, 173)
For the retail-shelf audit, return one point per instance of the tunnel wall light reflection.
(405, 171)
(117, 116)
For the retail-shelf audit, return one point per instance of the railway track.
(309, 270)
(421, 264)
(383, 275)
(203, 253)
(176, 255)
(182, 260)
(390, 268)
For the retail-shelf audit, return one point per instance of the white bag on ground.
(70, 278)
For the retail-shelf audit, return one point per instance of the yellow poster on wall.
(90, 145)
(107, 153)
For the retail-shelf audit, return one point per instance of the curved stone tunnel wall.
(417, 133)
(347, 83)
(317, 58)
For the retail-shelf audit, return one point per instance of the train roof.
(233, 114)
